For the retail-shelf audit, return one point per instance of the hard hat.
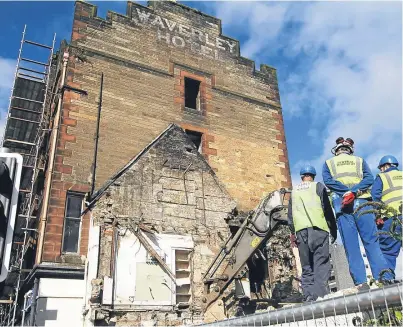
(389, 159)
(344, 143)
(308, 169)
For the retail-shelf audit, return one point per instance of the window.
(332, 278)
(192, 94)
(334, 289)
(196, 138)
(182, 274)
(72, 222)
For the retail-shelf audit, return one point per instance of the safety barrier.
(375, 307)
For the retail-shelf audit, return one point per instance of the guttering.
(55, 132)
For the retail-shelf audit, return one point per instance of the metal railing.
(375, 307)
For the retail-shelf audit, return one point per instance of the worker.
(311, 218)
(349, 178)
(388, 189)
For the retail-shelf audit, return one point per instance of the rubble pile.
(282, 267)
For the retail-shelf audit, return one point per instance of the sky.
(339, 65)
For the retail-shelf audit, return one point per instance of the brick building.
(127, 78)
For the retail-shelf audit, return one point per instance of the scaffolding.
(26, 129)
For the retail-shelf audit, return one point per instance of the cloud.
(341, 69)
(7, 69)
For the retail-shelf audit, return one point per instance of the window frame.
(198, 97)
(200, 148)
(65, 218)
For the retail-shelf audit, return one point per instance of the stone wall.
(172, 190)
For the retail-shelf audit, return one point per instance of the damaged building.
(157, 129)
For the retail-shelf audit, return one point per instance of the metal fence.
(376, 307)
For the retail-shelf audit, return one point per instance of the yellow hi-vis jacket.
(392, 189)
(347, 169)
(307, 207)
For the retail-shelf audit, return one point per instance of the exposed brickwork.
(179, 194)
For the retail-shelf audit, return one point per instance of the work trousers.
(313, 247)
(390, 246)
(350, 228)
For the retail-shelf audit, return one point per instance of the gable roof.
(94, 198)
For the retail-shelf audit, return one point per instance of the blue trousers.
(389, 245)
(350, 228)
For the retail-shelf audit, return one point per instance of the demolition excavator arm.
(255, 230)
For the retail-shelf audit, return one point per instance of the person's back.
(310, 216)
(349, 178)
(387, 188)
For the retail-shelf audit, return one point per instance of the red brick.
(280, 137)
(65, 169)
(58, 159)
(180, 88)
(281, 146)
(57, 185)
(179, 100)
(54, 229)
(49, 256)
(76, 36)
(55, 193)
(67, 186)
(56, 211)
(53, 237)
(57, 202)
(56, 176)
(69, 121)
(282, 158)
(56, 219)
(279, 127)
(63, 129)
(192, 76)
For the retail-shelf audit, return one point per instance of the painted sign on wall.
(180, 35)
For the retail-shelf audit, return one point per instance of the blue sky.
(339, 65)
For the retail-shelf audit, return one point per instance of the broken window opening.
(182, 274)
(192, 94)
(72, 222)
(196, 138)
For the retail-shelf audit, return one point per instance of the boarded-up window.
(140, 280)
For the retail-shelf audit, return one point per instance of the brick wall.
(144, 65)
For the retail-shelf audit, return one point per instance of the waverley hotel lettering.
(180, 35)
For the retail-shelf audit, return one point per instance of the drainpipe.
(55, 130)
(32, 314)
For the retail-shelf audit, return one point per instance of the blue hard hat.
(308, 169)
(388, 160)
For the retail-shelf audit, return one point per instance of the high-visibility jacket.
(392, 189)
(307, 207)
(347, 169)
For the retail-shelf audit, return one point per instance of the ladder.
(27, 122)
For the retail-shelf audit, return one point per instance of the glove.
(379, 222)
(293, 240)
(348, 198)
